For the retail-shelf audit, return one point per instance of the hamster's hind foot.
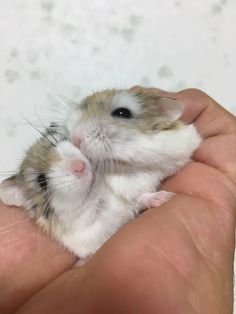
(150, 200)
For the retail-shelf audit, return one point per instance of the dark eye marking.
(42, 181)
(123, 113)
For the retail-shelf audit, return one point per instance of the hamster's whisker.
(41, 133)
(50, 133)
(46, 138)
(41, 193)
(5, 173)
(55, 139)
(57, 110)
(29, 172)
(66, 101)
(68, 186)
(63, 103)
(36, 112)
(60, 119)
(107, 146)
(47, 203)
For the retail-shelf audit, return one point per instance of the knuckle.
(196, 95)
(195, 92)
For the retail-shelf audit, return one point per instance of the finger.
(215, 124)
(29, 259)
(208, 116)
(206, 183)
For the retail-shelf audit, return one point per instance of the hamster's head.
(108, 124)
(54, 176)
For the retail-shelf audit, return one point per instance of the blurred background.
(50, 49)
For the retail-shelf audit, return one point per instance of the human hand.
(177, 258)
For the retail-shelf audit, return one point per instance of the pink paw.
(149, 200)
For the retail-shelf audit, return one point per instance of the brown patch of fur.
(152, 115)
(47, 225)
(40, 157)
(98, 103)
(151, 118)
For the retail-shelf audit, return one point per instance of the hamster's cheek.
(127, 144)
(64, 183)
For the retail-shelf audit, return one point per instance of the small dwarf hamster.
(85, 178)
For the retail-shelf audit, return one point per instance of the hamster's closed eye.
(42, 181)
(123, 113)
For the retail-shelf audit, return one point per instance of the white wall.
(71, 47)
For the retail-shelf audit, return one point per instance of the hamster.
(136, 137)
(84, 179)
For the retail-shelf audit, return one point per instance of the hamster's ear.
(165, 108)
(170, 109)
(11, 192)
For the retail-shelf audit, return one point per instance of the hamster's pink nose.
(77, 166)
(76, 141)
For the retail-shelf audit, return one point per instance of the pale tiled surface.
(71, 47)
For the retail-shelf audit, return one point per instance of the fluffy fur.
(125, 162)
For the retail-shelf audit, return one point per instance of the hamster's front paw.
(149, 200)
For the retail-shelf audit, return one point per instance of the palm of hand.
(167, 260)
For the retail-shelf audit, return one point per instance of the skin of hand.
(177, 258)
